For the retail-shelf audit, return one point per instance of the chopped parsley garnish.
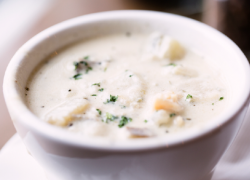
(112, 99)
(96, 84)
(77, 76)
(88, 69)
(84, 62)
(171, 64)
(130, 75)
(100, 89)
(99, 111)
(86, 57)
(105, 69)
(212, 103)
(221, 98)
(145, 121)
(189, 96)
(110, 117)
(76, 64)
(172, 115)
(93, 95)
(82, 65)
(124, 120)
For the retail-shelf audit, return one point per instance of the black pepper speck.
(128, 34)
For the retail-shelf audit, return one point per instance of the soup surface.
(126, 86)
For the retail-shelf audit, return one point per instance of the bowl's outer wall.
(188, 161)
(63, 161)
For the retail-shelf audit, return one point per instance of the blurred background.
(22, 19)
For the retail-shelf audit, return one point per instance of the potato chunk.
(174, 50)
(162, 46)
(167, 101)
(63, 114)
(161, 117)
(179, 121)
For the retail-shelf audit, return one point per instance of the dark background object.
(235, 22)
(190, 8)
(231, 17)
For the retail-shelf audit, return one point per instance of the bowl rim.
(28, 119)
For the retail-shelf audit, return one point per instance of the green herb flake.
(189, 96)
(82, 65)
(105, 69)
(130, 75)
(145, 121)
(112, 99)
(172, 115)
(86, 57)
(76, 64)
(84, 62)
(96, 84)
(124, 120)
(110, 117)
(212, 103)
(93, 95)
(221, 98)
(171, 64)
(99, 111)
(100, 89)
(77, 76)
(88, 69)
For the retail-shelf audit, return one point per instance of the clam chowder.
(126, 86)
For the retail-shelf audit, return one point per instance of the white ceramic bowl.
(190, 155)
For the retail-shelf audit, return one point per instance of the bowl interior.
(220, 50)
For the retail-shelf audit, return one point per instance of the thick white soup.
(126, 86)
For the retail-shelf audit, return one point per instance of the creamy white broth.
(124, 67)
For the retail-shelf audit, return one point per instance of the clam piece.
(185, 71)
(167, 101)
(63, 114)
(140, 132)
